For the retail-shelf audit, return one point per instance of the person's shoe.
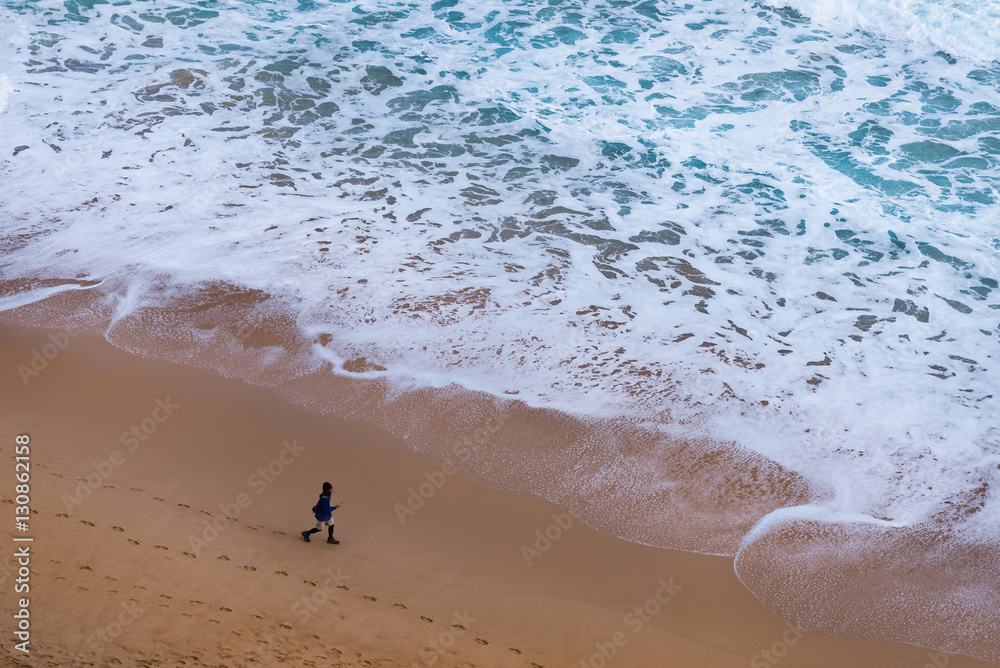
(305, 536)
(333, 541)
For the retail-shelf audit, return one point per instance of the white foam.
(967, 29)
(757, 243)
(5, 90)
(26, 298)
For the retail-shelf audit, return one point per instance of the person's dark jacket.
(324, 513)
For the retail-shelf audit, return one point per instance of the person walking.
(324, 515)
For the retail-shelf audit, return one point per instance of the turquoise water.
(773, 227)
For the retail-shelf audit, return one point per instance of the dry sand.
(131, 574)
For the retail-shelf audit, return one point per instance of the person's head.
(327, 488)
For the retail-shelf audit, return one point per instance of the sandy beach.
(628, 333)
(166, 506)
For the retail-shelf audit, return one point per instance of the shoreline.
(432, 568)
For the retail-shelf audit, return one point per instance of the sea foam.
(969, 29)
(726, 223)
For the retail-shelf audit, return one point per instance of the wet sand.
(167, 505)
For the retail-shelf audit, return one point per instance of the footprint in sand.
(197, 602)
(399, 605)
(162, 605)
(161, 547)
(370, 598)
(481, 641)
(135, 489)
(165, 596)
(62, 515)
(511, 649)
(250, 568)
(187, 614)
(310, 583)
(427, 619)
(226, 609)
(183, 505)
(280, 533)
(280, 573)
(204, 512)
(343, 587)
(155, 498)
(134, 542)
(223, 557)
(109, 487)
(90, 524)
(188, 554)
(257, 616)
(110, 579)
(458, 626)
(86, 568)
(285, 626)
(118, 529)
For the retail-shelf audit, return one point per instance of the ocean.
(745, 255)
